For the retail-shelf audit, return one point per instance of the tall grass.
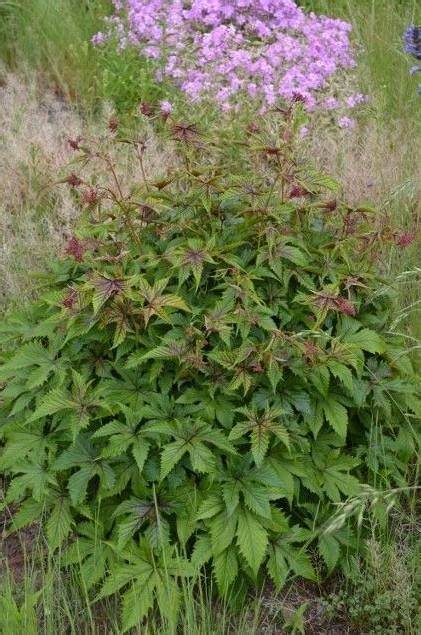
(44, 598)
(380, 163)
(378, 595)
(52, 38)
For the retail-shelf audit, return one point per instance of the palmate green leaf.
(191, 438)
(147, 516)
(337, 480)
(146, 576)
(21, 403)
(33, 477)
(222, 531)
(79, 453)
(59, 524)
(202, 459)
(123, 437)
(78, 483)
(329, 549)
(39, 376)
(231, 495)
(259, 445)
(202, 551)
(140, 450)
(171, 455)
(94, 566)
(225, 568)
(30, 354)
(277, 566)
(260, 425)
(286, 556)
(56, 400)
(136, 603)
(319, 377)
(341, 372)
(367, 340)
(257, 498)
(91, 552)
(23, 443)
(211, 506)
(252, 539)
(29, 512)
(336, 415)
(286, 478)
(300, 563)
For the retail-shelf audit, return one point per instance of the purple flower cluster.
(412, 46)
(229, 50)
(412, 41)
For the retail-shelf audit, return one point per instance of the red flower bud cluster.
(74, 143)
(90, 196)
(330, 206)
(146, 109)
(75, 249)
(113, 124)
(73, 180)
(298, 191)
(405, 239)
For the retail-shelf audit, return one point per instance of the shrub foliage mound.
(207, 375)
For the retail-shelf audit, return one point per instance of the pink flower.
(266, 50)
(346, 122)
(330, 103)
(165, 107)
(98, 39)
(355, 100)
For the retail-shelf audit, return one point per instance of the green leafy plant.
(197, 386)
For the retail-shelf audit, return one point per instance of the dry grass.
(36, 214)
(33, 218)
(372, 163)
(378, 163)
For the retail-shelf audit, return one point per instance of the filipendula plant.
(198, 383)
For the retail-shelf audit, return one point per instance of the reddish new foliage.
(110, 287)
(335, 303)
(344, 306)
(70, 299)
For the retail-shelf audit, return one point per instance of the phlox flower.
(346, 122)
(261, 49)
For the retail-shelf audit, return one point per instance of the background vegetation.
(55, 85)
